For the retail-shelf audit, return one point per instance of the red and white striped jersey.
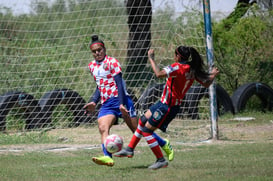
(103, 73)
(179, 80)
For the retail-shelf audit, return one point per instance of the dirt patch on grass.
(244, 132)
(81, 138)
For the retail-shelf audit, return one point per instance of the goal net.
(44, 78)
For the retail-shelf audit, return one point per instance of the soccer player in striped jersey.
(187, 67)
(116, 102)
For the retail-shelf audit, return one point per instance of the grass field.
(243, 152)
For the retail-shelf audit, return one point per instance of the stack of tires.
(38, 113)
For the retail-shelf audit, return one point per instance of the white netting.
(44, 79)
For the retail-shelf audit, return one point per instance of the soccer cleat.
(104, 160)
(160, 163)
(124, 153)
(168, 150)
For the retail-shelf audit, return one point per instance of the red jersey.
(179, 80)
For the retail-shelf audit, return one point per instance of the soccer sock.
(137, 136)
(153, 144)
(160, 141)
(105, 152)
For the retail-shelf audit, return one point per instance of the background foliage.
(243, 51)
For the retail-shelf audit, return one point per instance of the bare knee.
(105, 123)
(103, 128)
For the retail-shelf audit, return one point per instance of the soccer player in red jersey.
(188, 66)
(116, 102)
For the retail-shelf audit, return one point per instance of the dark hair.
(183, 52)
(95, 40)
(196, 63)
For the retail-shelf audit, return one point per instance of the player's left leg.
(129, 150)
(153, 144)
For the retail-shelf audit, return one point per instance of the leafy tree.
(243, 47)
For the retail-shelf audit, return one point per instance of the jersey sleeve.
(171, 70)
(96, 96)
(115, 67)
(121, 92)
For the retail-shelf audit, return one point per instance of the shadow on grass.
(134, 167)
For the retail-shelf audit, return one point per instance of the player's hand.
(151, 54)
(214, 71)
(89, 108)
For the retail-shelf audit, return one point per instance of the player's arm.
(206, 83)
(158, 73)
(121, 89)
(90, 107)
(96, 96)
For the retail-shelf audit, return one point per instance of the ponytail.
(197, 65)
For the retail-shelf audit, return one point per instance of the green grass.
(27, 138)
(244, 152)
(246, 161)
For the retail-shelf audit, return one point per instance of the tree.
(139, 23)
(243, 46)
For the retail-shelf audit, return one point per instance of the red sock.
(153, 144)
(137, 135)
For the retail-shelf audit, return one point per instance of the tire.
(189, 107)
(224, 102)
(241, 96)
(71, 99)
(150, 95)
(24, 101)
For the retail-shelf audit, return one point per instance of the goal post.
(44, 79)
(209, 53)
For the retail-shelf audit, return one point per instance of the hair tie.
(95, 40)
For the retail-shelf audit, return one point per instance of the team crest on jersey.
(105, 66)
(157, 115)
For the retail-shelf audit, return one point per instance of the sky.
(225, 6)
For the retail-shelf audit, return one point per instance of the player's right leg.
(104, 160)
(105, 121)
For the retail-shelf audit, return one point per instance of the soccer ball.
(113, 143)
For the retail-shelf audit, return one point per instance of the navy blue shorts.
(111, 106)
(162, 115)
